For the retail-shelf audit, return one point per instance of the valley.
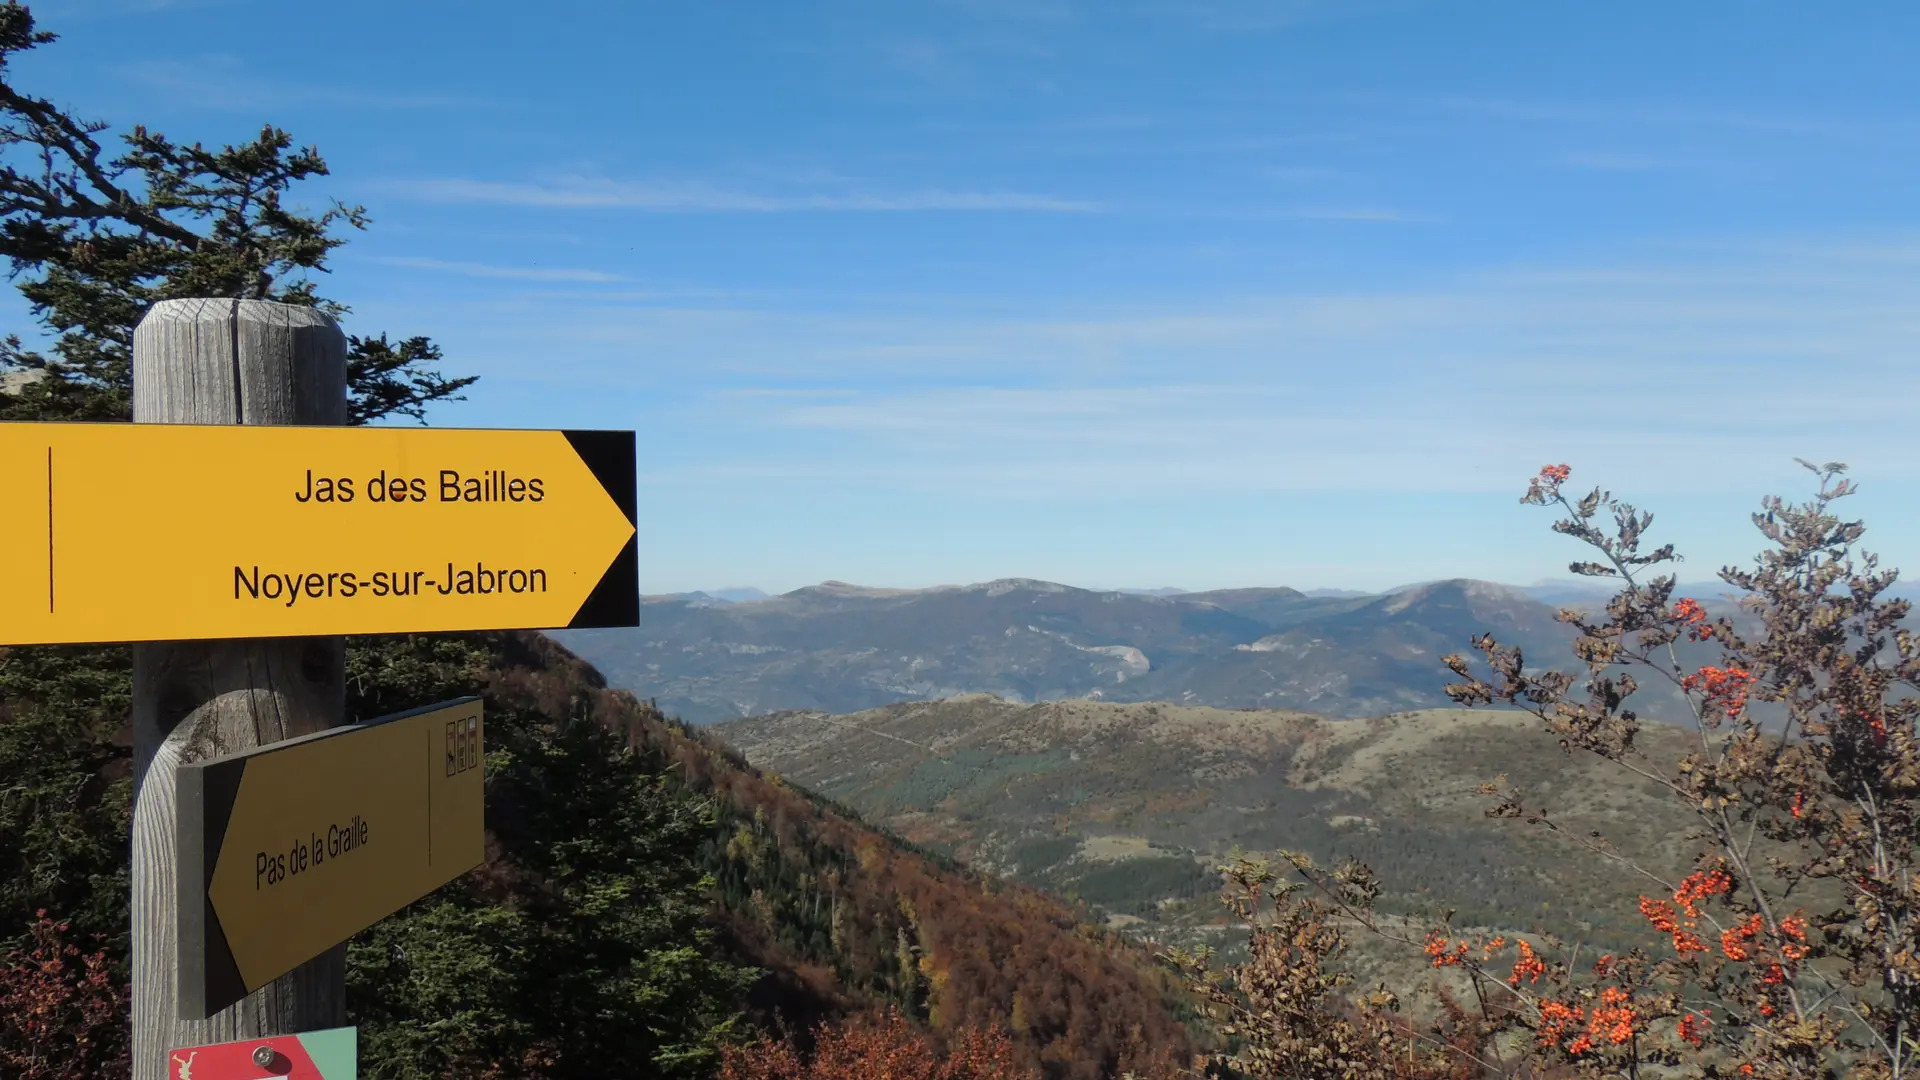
(1129, 807)
(1114, 748)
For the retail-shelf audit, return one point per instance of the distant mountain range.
(741, 595)
(1550, 591)
(840, 648)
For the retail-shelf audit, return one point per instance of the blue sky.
(1119, 293)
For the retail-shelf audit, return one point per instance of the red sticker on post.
(317, 1055)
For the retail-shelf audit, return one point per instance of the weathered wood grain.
(225, 362)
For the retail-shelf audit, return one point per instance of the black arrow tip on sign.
(615, 601)
(609, 455)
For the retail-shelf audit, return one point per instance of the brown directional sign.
(291, 849)
(168, 532)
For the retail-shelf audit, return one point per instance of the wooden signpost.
(291, 849)
(234, 533)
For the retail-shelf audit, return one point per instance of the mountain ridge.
(840, 647)
(1547, 590)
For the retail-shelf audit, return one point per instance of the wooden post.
(225, 362)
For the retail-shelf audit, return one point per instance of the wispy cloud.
(677, 197)
(61, 10)
(1095, 444)
(1256, 212)
(485, 270)
(221, 82)
(1301, 173)
(1210, 15)
(1669, 373)
(1257, 16)
(1045, 11)
(1640, 115)
(1599, 161)
(967, 65)
(793, 393)
(1357, 213)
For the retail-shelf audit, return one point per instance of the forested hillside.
(1131, 806)
(647, 897)
(839, 916)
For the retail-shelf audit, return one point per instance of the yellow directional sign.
(291, 849)
(153, 532)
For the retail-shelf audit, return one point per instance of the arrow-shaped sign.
(291, 849)
(149, 532)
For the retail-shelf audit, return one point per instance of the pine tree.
(94, 237)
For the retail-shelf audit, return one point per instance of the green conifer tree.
(95, 235)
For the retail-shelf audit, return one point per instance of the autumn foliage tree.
(1790, 948)
(878, 1048)
(60, 1008)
